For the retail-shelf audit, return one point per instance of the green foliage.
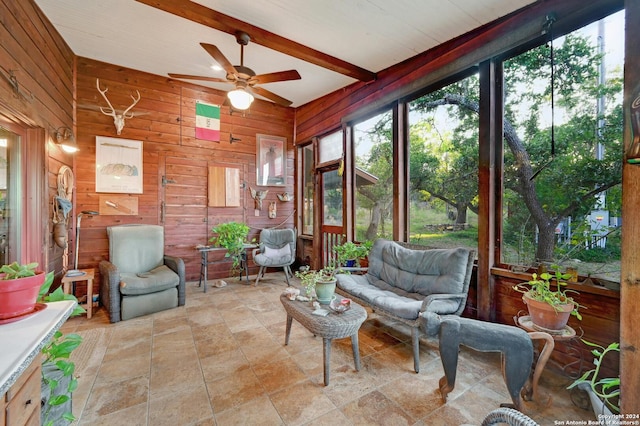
(17, 270)
(56, 353)
(352, 251)
(608, 388)
(233, 237)
(539, 288)
(309, 278)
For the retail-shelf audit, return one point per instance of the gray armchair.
(277, 249)
(139, 279)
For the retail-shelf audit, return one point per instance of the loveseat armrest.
(176, 264)
(461, 297)
(110, 289)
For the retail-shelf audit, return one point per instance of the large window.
(562, 165)
(373, 143)
(307, 189)
(443, 166)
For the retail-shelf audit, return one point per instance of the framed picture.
(118, 165)
(271, 165)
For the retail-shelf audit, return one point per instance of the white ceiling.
(372, 34)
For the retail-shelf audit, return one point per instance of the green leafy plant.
(17, 270)
(233, 237)
(309, 278)
(607, 388)
(539, 288)
(56, 358)
(352, 251)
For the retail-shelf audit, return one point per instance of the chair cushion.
(275, 253)
(158, 279)
(388, 298)
(136, 248)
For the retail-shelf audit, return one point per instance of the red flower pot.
(19, 296)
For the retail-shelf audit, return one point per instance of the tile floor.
(221, 360)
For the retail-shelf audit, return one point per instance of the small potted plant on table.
(323, 282)
(549, 308)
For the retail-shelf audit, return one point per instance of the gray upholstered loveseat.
(412, 285)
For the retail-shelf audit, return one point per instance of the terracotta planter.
(545, 316)
(19, 296)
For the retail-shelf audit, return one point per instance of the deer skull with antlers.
(118, 119)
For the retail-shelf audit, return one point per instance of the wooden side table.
(86, 276)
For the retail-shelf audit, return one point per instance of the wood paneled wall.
(165, 123)
(43, 64)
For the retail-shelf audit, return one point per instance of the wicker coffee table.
(333, 326)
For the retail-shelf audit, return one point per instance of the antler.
(118, 119)
(103, 93)
(135, 101)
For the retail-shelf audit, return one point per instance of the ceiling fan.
(244, 78)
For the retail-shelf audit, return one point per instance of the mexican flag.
(207, 121)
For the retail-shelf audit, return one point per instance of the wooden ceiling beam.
(221, 22)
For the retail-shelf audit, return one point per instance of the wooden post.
(630, 267)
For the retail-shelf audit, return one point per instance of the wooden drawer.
(23, 398)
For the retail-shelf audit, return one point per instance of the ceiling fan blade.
(219, 57)
(269, 95)
(275, 76)
(199, 77)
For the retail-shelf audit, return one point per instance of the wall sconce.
(64, 138)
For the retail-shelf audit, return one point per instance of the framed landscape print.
(118, 165)
(270, 160)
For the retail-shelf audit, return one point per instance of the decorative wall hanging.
(118, 165)
(270, 160)
(207, 121)
(258, 196)
(118, 119)
(118, 205)
(284, 197)
(272, 210)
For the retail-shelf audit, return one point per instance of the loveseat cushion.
(424, 272)
(388, 298)
(158, 279)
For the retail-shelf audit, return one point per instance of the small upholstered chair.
(139, 279)
(277, 249)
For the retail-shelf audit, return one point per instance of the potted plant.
(322, 282)
(232, 236)
(604, 392)
(58, 382)
(349, 253)
(19, 287)
(549, 308)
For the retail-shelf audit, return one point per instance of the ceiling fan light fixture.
(240, 98)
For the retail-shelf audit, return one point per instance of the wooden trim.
(225, 23)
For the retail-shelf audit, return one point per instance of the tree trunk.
(461, 218)
(376, 215)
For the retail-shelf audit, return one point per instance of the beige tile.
(233, 391)
(223, 364)
(107, 398)
(222, 360)
(301, 403)
(186, 407)
(259, 411)
(131, 416)
(278, 374)
(375, 408)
